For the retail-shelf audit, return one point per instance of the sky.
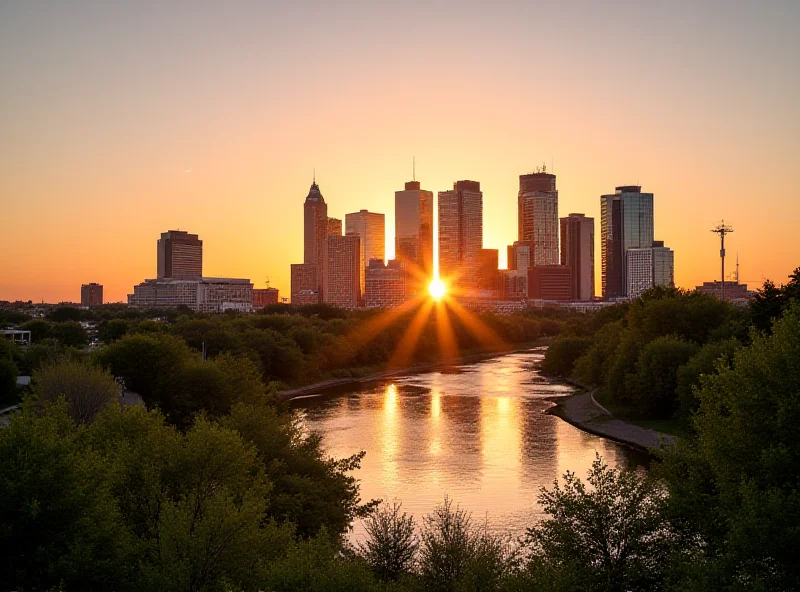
(121, 120)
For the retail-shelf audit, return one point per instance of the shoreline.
(583, 412)
(320, 388)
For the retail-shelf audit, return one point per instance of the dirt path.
(580, 411)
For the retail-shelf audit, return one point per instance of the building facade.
(626, 222)
(537, 211)
(342, 271)
(385, 284)
(334, 226)
(207, 295)
(264, 297)
(519, 255)
(91, 294)
(577, 253)
(647, 268)
(733, 290)
(304, 284)
(513, 284)
(180, 255)
(488, 273)
(413, 231)
(461, 235)
(370, 228)
(550, 282)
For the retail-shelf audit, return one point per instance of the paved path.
(581, 411)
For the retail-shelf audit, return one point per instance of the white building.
(210, 295)
(647, 268)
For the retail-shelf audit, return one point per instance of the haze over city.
(120, 122)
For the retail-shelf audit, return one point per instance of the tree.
(86, 389)
(735, 486)
(704, 362)
(560, 357)
(70, 334)
(112, 330)
(391, 545)
(8, 381)
(610, 536)
(65, 313)
(39, 329)
(653, 391)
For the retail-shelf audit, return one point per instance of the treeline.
(95, 497)
(158, 352)
(647, 357)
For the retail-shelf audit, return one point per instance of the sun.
(437, 289)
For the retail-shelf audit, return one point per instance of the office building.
(519, 255)
(370, 228)
(207, 295)
(460, 235)
(264, 297)
(577, 253)
(385, 284)
(513, 284)
(315, 231)
(626, 222)
(413, 230)
(488, 273)
(180, 255)
(334, 226)
(537, 211)
(550, 282)
(650, 267)
(91, 294)
(733, 290)
(342, 271)
(304, 286)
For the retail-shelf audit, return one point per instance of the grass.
(672, 426)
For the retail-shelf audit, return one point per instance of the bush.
(561, 355)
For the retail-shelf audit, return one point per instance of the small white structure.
(17, 336)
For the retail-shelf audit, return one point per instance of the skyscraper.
(537, 211)
(385, 284)
(488, 274)
(650, 267)
(315, 230)
(626, 222)
(341, 271)
(180, 255)
(413, 230)
(519, 256)
(577, 252)
(461, 234)
(371, 229)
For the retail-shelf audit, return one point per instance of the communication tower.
(722, 229)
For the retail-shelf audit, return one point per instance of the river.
(476, 433)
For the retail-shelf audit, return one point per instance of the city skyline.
(107, 136)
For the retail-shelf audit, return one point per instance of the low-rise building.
(209, 295)
(385, 284)
(264, 297)
(550, 282)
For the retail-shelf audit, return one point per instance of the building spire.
(314, 176)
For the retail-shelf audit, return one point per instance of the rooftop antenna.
(722, 229)
(737, 267)
(314, 176)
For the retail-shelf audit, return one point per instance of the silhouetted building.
(537, 210)
(733, 290)
(91, 294)
(549, 282)
(413, 229)
(626, 222)
(334, 226)
(385, 284)
(577, 253)
(304, 286)
(461, 235)
(488, 274)
(208, 295)
(513, 284)
(519, 255)
(180, 255)
(264, 297)
(370, 228)
(647, 268)
(342, 271)
(315, 231)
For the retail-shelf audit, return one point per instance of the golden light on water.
(437, 289)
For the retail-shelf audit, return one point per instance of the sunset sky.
(119, 121)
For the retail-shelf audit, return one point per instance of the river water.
(476, 433)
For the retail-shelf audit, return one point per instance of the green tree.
(40, 329)
(612, 535)
(61, 314)
(70, 334)
(86, 389)
(112, 330)
(391, 544)
(735, 486)
(704, 362)
(8, 381)
(561, 355)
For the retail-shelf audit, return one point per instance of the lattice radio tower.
(722, 229)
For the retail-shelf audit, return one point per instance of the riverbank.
(326, 385)
(581, 411)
